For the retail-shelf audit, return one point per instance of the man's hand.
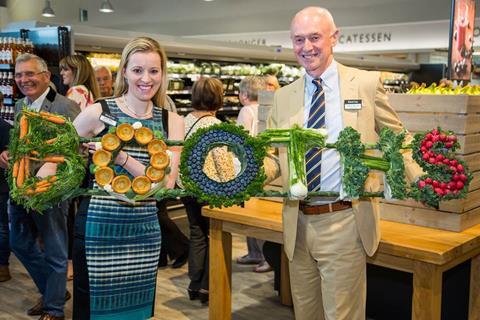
(48, 169)
(4, 157)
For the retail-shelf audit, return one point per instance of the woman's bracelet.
(126, 160)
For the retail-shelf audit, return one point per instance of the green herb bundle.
(391, 144)
(355, 170)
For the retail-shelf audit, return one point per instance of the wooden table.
(425, 252)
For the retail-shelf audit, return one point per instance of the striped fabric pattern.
(316, 120)
(123, 245)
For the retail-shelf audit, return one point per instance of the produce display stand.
(458, 113)
(426, 253)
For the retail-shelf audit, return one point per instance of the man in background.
(47, 267)
(105, 80)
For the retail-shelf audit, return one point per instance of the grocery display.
(109, 60)
(447, 177)
(446, 87)
(49, 43)
(38, 138)
(10, 48)
(112, 142)
(249, 151)
(183, 73)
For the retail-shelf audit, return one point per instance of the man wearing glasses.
(47, 267)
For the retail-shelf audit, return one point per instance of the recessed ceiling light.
(208, 0)
(106, 7)
(47, 10)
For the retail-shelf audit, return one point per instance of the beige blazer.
(376, 113)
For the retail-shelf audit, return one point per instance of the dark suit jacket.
(4, 140)
(55, 103)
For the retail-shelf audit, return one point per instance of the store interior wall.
(190, 17)
(3, 13)
(195, 17)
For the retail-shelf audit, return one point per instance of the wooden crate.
(422, 216)
(461, 114)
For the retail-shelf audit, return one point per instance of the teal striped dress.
(122, 245)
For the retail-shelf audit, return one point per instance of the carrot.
(54, 119)
(47, 181)
(42, 189)
(47, 116)
(31, 191)
(42, 184)
(23, 126)
(21, 173)
(27, 167)
(35, 153)
(15, 169)
(30, 113)
(55, 159)
(51, 141)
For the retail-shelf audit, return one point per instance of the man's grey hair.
(251, 85)
(24, 57)
(97, 68)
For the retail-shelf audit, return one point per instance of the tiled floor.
(253, 295)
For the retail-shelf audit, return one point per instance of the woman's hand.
(121, 159)
(4, 158)
(91, 147)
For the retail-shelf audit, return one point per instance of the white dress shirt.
(37, 104)
(331, 176)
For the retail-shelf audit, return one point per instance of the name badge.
(352, 104)
(108, 119)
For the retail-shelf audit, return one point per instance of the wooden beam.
(474, 300)
(220, 306)
(427, 292)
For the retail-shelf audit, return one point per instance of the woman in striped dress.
(117, 245)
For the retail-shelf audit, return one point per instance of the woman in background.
(248, 118)
(78, 74)
(207, 98)
(272, 82)
(117, 244)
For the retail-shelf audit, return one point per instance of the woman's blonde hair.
(83, 73)
(143, 44)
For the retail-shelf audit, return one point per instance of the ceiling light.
(208, 0)
(48, 11)
(106, 7)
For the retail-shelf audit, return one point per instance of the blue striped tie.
(316, 119)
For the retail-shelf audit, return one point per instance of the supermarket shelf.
(229, 110)
(172, 92)
(6, 66)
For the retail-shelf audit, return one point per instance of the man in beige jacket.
(327, 240)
